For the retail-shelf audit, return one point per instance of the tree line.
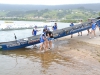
(46, 14)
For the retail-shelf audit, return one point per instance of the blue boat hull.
(57, 34)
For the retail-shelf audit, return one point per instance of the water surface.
(31, 62)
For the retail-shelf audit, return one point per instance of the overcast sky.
(48, 2)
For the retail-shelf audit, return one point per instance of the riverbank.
(83, 54)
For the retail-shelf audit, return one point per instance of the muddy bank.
(84, 57)
(66, 45)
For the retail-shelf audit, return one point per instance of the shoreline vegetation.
(39, 20)
(47, 15)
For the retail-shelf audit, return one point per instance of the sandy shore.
(84, 53)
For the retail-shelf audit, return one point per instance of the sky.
(48, 2)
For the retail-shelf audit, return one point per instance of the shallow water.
(31, 62)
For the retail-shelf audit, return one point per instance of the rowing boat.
(21, 43)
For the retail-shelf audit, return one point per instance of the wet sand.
(84, 54)
(84, 57)
(71, 56)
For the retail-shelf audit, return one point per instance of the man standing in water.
(42, 41)
(34, 32)
(55, 27)
(49, 35)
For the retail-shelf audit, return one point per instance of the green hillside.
(60, 13)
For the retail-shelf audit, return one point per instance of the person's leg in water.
(35, 46)
(46, 44)
(50, 43)
(42, 46)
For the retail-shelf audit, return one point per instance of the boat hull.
(21, 43)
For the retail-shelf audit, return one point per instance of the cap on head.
(35, 26)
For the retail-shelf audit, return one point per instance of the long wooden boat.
(21, 43)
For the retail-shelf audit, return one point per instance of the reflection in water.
(31, 57)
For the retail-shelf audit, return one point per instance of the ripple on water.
(27, 61)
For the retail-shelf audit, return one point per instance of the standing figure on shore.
(34, 32)
(93, 28)
(55, 27)
(71, 25)
(81, 31)
(88, 29)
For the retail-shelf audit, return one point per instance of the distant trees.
(46, 14)
(15, 14)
